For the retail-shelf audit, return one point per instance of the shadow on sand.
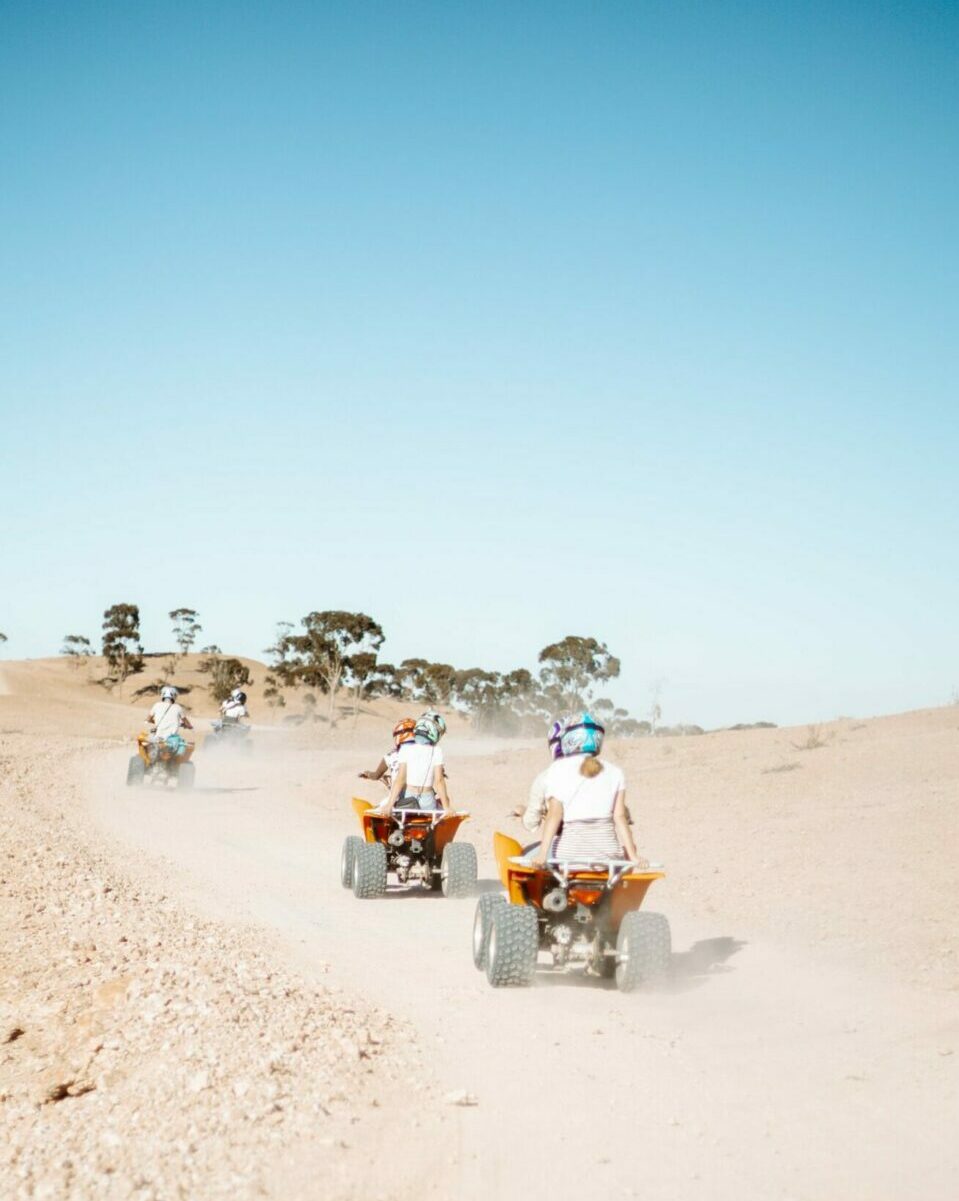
(708, 957)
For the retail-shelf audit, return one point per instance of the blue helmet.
(582, 735)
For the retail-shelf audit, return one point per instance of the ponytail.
(590, 767)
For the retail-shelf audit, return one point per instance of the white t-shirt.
(168, 716)
(391, 759)
(421, 761)
(535, 810)
(584, 798)
(233, 710)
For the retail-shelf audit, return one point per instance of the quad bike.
(414, 844)
(228, 735)
(578, 912)
(168, 767)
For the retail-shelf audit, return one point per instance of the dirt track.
(216, 1016)
(762, 1072)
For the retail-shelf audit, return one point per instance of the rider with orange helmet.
(402, 732)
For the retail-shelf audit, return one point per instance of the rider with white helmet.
(233, 709)
(166, 718)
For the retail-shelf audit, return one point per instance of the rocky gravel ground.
(147, 1054)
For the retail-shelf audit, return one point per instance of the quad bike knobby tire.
(346, 859)
(643, 951)
(136, 771)
(369, 870)
(185, 776)
(481, 925)
(458, 869)
(512, 946)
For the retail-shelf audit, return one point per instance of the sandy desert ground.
(192, 1007)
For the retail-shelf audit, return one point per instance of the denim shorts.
(423, 800)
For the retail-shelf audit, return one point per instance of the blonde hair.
(590, 767)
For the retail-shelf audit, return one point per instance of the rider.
(166, 718)
(420, 777)
(385, 770)
(586, 795)
(234, 708)
(536, 807)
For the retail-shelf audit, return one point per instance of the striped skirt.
(587, 840)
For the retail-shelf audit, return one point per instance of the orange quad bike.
(169, 766)
(579, 912)
(413, 844)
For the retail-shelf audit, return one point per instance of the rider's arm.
(378, 774)
(396, 789)
(186, 723)
(623, 832)
(439, 787)
(554, 819)
(535, 810)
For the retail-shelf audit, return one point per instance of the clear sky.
(498, 321)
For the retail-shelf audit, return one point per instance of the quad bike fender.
(143, 740)
(445, 831)
(504, 848)
(360, 806)
(630, 893)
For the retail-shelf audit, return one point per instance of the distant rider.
(166, 719)
(586, 796)
(420, 780)
(234, 709)
(386, 768)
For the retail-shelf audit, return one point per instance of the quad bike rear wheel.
(346, 859)
(185, 776)
(369, 870)
(643, 951)
(458, 869)
(512, 946)
(136, 771)
(481, 926)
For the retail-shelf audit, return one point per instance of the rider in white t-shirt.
(234, 709)
(166, 718)
(587, 800)
(420, 777)
(385, 770)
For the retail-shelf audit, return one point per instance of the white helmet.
(238, 695)
(168, 693)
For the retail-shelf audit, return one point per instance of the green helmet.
(437, 719)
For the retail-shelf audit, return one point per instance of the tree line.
(335, 654)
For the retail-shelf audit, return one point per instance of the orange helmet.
(403, 731)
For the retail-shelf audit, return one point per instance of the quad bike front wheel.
(513, 946)
(643, 951)
(369, 870)
(458, 869)
(347, 856)
(136, 771)
(481, 926)
(185, 776)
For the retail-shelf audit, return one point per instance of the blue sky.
(499, 322)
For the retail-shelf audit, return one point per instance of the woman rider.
(386, 768)
(536, 808)
(586, 795)
(419, 779)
